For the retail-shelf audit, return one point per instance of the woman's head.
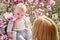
(20, 10)
(44, 29)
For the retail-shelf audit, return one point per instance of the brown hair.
(44, 29)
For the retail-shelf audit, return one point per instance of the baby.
(21, 27)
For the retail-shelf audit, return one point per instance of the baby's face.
(18, 13)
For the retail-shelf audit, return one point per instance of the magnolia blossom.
(41, 10)
(1, 24)
(41, 4)
(54, 16)
(33, 6)
(9, 17)
(30, 1)
(52, 2)
(47, 14)
(1, 36)
(33, 12)
(4, 37)
(40, 0)
(36, 2)
(49, 8)
(6, 1)
(21, 1)
(15, 1)
(38, 13)
(26, 3)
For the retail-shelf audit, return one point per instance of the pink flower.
(54, 16)
(26, 3)
(49, 8)
(21, 1)
(1, 24)
(47, 14)
(1, 33)
(48, 1)
(52, 2)
(6, 1)
(41, 4)
(33, 12)
(36, 2)
(40, 0)
(32, 6)
(9, 17)
(15, 1)
(30, 1)
(38, 13)
(1, 36)
(40, 9)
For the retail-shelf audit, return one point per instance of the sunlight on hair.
(22, 6)
(44, 29)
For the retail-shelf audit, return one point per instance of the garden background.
(35, 8)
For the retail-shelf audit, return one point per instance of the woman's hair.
(44, 29)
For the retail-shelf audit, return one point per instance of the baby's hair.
(21, 6)
(44, 29)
